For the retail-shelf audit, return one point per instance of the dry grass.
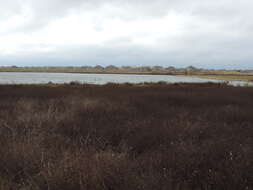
(228, 77)
(154, 136)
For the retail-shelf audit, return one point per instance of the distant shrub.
(112, 84)
(162, 82)
(75, 83)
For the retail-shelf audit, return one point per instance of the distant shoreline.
(83, 72)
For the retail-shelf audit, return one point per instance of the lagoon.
(61, 78)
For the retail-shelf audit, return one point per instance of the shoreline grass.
(82, 71)
(228, 77)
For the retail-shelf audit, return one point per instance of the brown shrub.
(150, 136)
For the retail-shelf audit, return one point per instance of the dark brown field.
(126, 137)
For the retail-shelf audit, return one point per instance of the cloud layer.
(210, 34)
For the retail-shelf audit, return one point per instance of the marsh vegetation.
(128, 137)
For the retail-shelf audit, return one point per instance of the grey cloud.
(223, 36)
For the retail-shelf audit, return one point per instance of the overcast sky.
(202, 33)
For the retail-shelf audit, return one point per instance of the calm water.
(42, 78)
